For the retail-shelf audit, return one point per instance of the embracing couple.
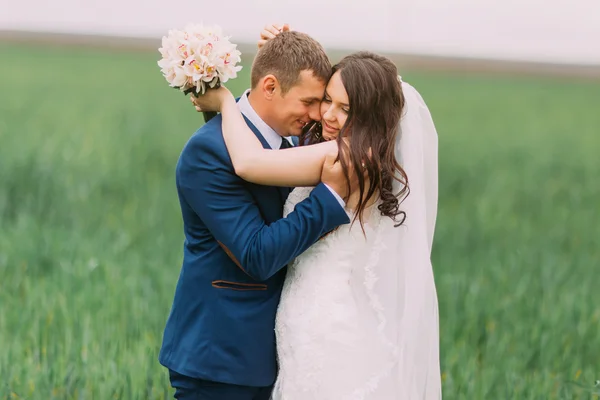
(309, 207)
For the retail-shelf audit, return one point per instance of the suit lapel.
(260, 137)
(283, 191)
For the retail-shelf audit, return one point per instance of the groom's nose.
(314, 111)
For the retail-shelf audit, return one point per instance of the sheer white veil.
(398, 277)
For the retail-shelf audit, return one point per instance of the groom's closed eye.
(310, 101)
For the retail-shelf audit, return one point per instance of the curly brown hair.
(376, 106)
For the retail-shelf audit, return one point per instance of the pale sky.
(558, 31)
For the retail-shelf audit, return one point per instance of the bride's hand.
(212, 99)
(270, 31)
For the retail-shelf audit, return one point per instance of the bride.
(358, 316)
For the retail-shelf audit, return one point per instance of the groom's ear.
(270, 86)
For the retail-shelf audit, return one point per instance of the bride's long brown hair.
(376, 106)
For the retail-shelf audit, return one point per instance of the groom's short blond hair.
(288, 54)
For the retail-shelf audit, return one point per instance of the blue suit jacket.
(221, 324)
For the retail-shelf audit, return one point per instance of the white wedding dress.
(358, 312)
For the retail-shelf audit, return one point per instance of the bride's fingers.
(193, 100)
(270, 31)
(266, 35)
(273, 29)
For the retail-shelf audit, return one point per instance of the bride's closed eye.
(327, 100)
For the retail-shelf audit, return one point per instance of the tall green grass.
(91, 236)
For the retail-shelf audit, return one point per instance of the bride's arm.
(300, 166)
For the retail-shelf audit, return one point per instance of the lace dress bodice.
(323, 337)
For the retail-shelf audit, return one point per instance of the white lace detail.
(369, 283)
(325, 350)
(295, 197)
(358, 317)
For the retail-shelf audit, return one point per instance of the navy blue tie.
(285, 144)
(285, 191)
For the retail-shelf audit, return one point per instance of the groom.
(219, 341)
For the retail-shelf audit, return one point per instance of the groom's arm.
(222, 201)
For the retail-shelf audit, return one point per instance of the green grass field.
(91, 239)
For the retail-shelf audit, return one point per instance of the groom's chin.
(297, 127)
(294, 131)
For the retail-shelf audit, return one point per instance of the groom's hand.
(333, 176)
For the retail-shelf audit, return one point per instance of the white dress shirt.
(272, 137)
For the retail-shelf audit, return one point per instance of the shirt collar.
(272, 137)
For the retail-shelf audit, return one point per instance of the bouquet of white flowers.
(197, 58)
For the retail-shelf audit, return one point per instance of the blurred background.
(91, 235)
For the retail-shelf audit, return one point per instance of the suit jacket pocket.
(219, 284)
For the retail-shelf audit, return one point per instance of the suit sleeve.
(222, 201)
